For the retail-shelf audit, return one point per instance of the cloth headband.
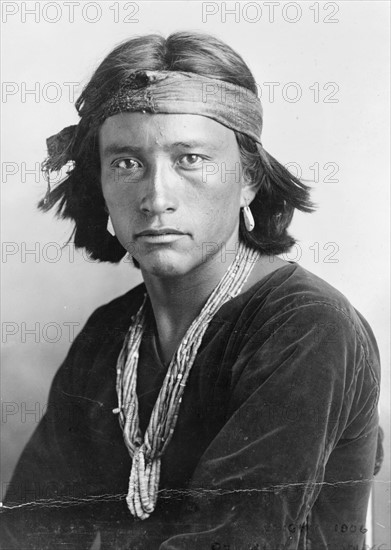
(168, 92)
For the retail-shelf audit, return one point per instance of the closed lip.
(160, 231)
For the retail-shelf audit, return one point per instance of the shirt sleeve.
(301, 383)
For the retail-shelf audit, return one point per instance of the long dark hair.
(79, 195)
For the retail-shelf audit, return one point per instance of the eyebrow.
(120, 149)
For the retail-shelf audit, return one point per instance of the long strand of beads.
(146, 452)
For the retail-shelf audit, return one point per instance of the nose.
(159, 191)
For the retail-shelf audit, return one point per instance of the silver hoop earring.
(110, 227)
(248, 218)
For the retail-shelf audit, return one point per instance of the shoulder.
(297, 330)
(119, 310)
(101, 336)
(302, 307)
(108, 323)
(293, 285)
(294, 288)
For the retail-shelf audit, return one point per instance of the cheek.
(218, 207)
(224, 196)
(109, 189)
(117, 195)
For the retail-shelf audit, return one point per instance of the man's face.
(173, 187)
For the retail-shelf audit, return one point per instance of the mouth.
(161, 235)
(160, 231)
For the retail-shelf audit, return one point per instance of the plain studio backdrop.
(322, 72)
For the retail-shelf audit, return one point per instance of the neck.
(177, 301)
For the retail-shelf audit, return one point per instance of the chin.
(165, 264)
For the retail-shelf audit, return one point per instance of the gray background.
(330, 65)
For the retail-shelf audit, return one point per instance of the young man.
(230, 401)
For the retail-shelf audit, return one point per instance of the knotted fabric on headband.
(168, 92)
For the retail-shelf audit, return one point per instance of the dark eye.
(191, 160)
(127, 164)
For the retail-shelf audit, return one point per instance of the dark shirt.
(275, 442)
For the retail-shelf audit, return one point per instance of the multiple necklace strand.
(146, 452)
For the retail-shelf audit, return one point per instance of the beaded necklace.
(146, 452)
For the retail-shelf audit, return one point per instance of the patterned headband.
(168, 92)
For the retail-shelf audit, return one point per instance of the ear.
(248, 191)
